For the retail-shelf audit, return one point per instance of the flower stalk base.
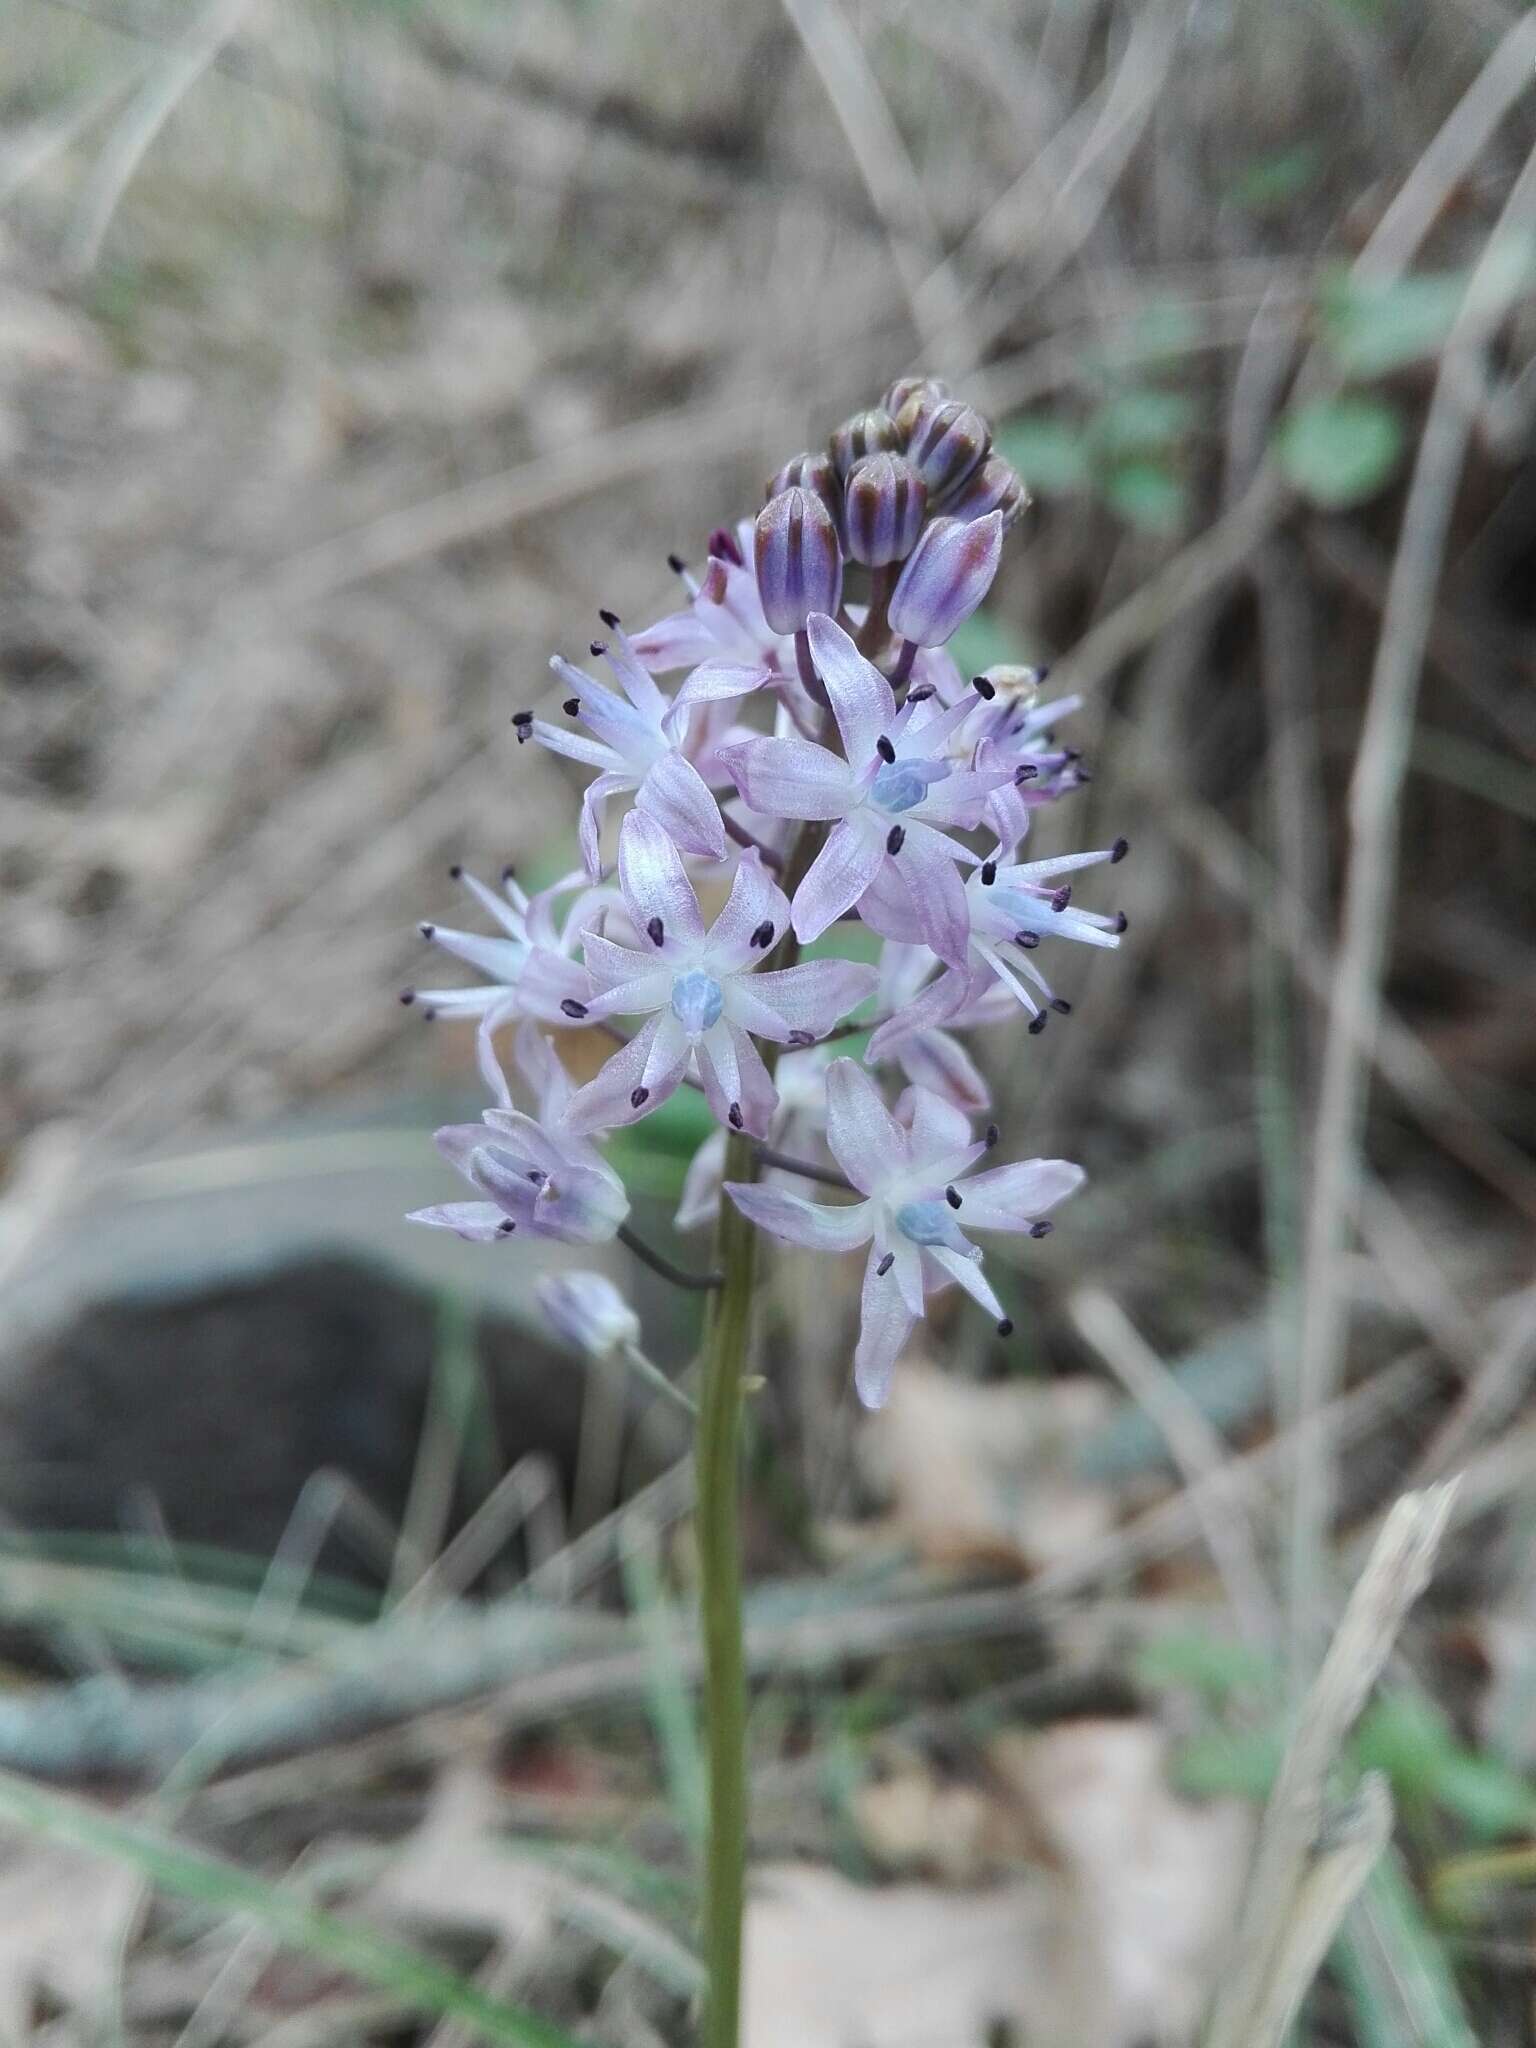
(718, 1457)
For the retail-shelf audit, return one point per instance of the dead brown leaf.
(1109, 1931)
(984, 1473)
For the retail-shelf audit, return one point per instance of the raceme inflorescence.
(797, 756)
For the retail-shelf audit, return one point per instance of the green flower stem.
(717, 1456)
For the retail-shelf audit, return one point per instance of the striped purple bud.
(905, 389)
(946, 576)
(885, 504)
(809, 473)
(946, 442)
(799, 562)
(867, 433)
(995, 487)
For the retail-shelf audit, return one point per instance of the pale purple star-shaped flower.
(1009, 910)
(528, 969)
(890, 792)
(534, 1175)
(704, 991)
(914, 1215)
(639, 742)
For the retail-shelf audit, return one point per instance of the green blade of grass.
(222, 1887)
(1395, 1971)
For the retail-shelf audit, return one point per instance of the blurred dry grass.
(352, 354)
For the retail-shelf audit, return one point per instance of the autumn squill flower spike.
(793, 755)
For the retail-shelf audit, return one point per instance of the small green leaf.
(1135, 421)
(1485, 1795)
(1216, 1765)
(1148, 495)
(1340, 451)
(1373, 325)
(1404, 1735)
(1378, 324)
(1214, 1665)
(1051, 454)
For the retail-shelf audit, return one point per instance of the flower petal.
(811, 997)
(700, 1202)
(635, 679)
(715, 682)
(818, 1226)
(799, 1221)
(575, 746)
(497, 959)
(675, 794)
(860, 696)
(581, 1205)
(865, 1139)
(887, 908)
(547, 981)
(885, 1323)
(615, 722)
(655, 1060)
(594, 797)
(543, 1069)
(938, 1128)
(927, 861)
(966, 1268)
(677, 641)
(477, 1222)
(1013, 1197)
(654, 881)
(732, 1070)
(790, 778)
(961, 798)
(755, 900)
(928, 1010)
(839, 874)
(935, 1060)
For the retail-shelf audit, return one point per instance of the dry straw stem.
(1310, 1865)
(142, 121)
(886, 167)
(1197, 1450)
(1375, 793)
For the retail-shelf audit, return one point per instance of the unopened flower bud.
(905, 389)
(867, 433)
(947, 575)
(995, 487)
(885, 504)
(799, 562)
(589, 1312)
(811, 473)
(946, 440)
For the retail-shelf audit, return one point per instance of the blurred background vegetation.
(353, 353)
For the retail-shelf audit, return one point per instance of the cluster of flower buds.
(911, 491)
(819, 760)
